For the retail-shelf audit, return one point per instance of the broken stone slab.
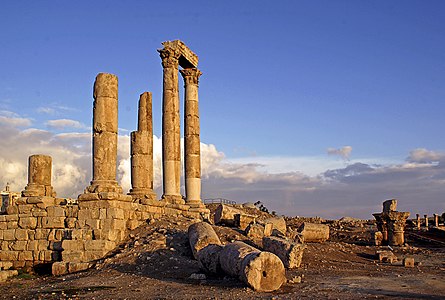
(389, 205)
(314, 233)
(290, 253)
(262, 271)
(225, 214)
(278, 224)
(386, 256)
(408, 262)
(255, 231)
(201, 235)
(242, 220)
(295, 236)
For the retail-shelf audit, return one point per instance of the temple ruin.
(40, 228)
(391, 224)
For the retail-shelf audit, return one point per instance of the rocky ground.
(156, 263)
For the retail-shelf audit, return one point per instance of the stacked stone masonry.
(39, 228)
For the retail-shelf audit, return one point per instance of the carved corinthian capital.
(191, 76)
(170, 57)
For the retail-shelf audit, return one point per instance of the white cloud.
(11, 119)
(64, 123)
(46, 110)
(422, 155)
(343, 152)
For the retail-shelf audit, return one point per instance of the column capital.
(170, 57)
(191, 75)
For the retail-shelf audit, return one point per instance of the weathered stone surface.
(208, 258)
(386, 256)
(225, 214)
(262, 271)
(389, 205)
(278, 223)
(201, 235)
(191, 136)
(242, 221)
(378, 238)
(408, 262)
(314, 233)
(255, 231)
(39, 176)
(290, 253)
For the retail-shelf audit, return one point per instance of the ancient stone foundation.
(39, 228)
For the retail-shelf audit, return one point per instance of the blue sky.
(283, 82)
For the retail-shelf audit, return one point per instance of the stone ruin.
(41, 229)
(390, 224)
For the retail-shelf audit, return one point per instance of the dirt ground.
(156, 263)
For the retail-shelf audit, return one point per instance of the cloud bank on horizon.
(288, 185)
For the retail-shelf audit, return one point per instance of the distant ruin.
(40, 228)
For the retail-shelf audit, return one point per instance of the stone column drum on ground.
(171, 147)
(192, 143)
(39, 176)
(105, 128)
(142, 151)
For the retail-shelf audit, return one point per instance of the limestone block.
(18, 245)
(74, 267)
(42, 245)
(115, 213)
(12, 210)
(2, 218)
(59, 268)
(9, 234)
(39, 213)
(262, 271)
(278, 224)
(242, 220)
(408, 262)
(225, 214)
(32, 245)
(314, 233)
(55, 211)
(5, 275)
(1, 234)
(73, 245)
(133, 224)
(42, 234)
(255, 231)
(53, 222)
(113, 224)
(9, 255)
(5, 245)
(378, 238)
(13, 225)
(27, 222)
(5, 265)
(21, 234)
(73, 255)
(386, 256)
(47, 255)
(82, 234)
(201, 235)
(96, 245)
(3, 225)
(70, 222)
(39, 169)
(93, 223)
(12, 217)
(25, 208)
(26, 255)
(94, 255)
(290, 253)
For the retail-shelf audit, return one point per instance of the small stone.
(198, 276)
(295, 279)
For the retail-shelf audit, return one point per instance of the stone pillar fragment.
(142, 151)
(39, 176)
(105, 129)
(192, 143)
(418, 222)
(171, 147)
(426, 221)
(436, 220)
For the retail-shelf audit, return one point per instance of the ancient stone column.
(426, 221)
(142, 151)
(39, 177)
(192, 142)
(396, 227)
(171, 147)
(105, 129)
(436, 220)
(418, 222)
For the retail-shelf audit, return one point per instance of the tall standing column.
(192, 150)
(105, 130)
(142, 151)
(171, 138)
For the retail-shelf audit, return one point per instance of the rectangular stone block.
(25, 208)
(27, 222)
(78, 266)
(53, 222)
(47, 255)
(9, 234)
(12, 210)
(2, 218)
(13, 225)
(39, 213)
(18, 245)
(408, 262)
(3, 225)
(21, 234)
(70, 222)
(55, 211)
(42, 245)
(73, 245)
(9, 255)
(115, 213)
(93, 223)
(12, 218)
(82, 234)
(95, 245)
(59, 268)
(26, 255)
(113, 224)
(73, 255)
(94, 255)
(32, 245)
